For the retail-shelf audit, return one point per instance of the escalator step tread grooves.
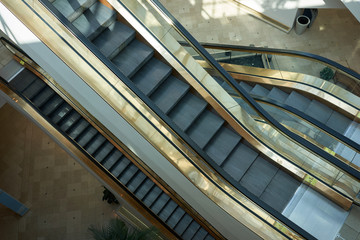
(87, 137)
(191, 230)
(42, 97)
(112, 159)
(183, 224)
(259, 90)
(278, 95)
(70, 119)
(246, 86)
(114, 38)
(95, 144)
(143, 189)
(222, 144)
(133, 57)
(71, 9)
(151, 75)
(187, 110)
(77, 128)
(51, 105)
(34, 88)
(128, 173)
(23, 80)
(200, 235)
(297, 101)
(136, 181)
(160, 203)
(101, 153)
(258, 176)
(319, 111)
(169, 93)
(167, 210)
(94, 20)
(83, 133)
(239, 161)
(175, 217)
(60, 112)
(152, 195)
(119, 166)
(204, 128)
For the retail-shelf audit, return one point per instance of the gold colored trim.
(294, 81)
(263, 17)
(83, 158)
(34, 68)
(177, 158)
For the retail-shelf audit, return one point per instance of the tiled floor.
(335, 33)
(64, 199)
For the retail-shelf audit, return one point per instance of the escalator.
(70, 123)
(181, 104)
(176, 102)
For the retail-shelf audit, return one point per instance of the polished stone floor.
(64, 198)
(335, 34)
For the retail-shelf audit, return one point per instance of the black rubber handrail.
(169, 122)
(292, 53)
(311, 120)
(227, 77)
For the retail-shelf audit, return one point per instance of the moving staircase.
(58, 112)
(318, 111)
(194, 118)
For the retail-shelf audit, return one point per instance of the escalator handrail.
(311, 120)
(287, 52)
(215, 65)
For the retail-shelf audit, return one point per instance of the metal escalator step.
(133, 57)
(169, 93)
(319, 111)
(94, 20)
(200, 235)
(246, 86)
(151, 75)
(86, 136)
(128, 173)
(51, 105)
(258, 176)
(209, 237)
(191, 230)
(144, 188)
(103, 151)
(175, 217)
(112, 159)
(187, 110)
(338, 122)
(222, 144)
(121, 165)
(136, 181)
(183, 224)
(259, 91)
(60, 112)
(42, 97)
(71, 9)
(278, 95)
(33, 89)
(22, 80)
(152, 195)
(239, 161)
(280, 190)
(95, 143)
(297, 101)
(77, 128)
(160, 203)
(204, 128)
(167, 210)
(114, 38)
(70, 119)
